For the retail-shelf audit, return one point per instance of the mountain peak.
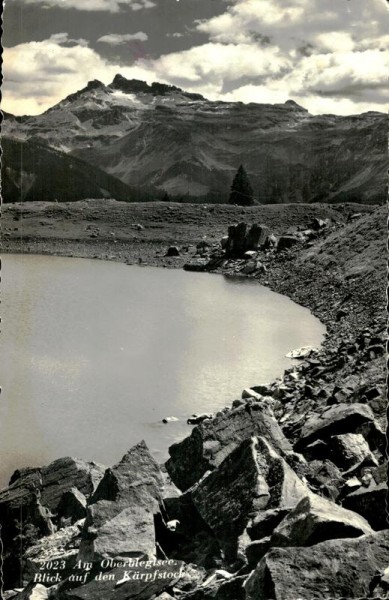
(137, 86)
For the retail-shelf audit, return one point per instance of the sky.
(329, 56)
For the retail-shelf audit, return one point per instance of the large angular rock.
(371, 503)
(139, 584)
(332, 569)
(212, 441)
(66, 473)
(61, 546)
(36, 493)
(334, 420)
(251, 479)
(241, 240)
(120, 515)
(350, 449)
(315, 520)
(190, 539)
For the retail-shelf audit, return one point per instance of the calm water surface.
(95, 354)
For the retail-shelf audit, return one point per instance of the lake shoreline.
(337, 394)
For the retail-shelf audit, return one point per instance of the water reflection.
(95, 354)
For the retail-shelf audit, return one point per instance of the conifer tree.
(241, 190)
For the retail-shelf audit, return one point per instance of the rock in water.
(212, 441)
(333, 569)
(120, 515)
(251, 479)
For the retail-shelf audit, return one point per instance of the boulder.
(370, 503)
(264, 523)
(139, 583)
(120, 514)
(333, 420)
(240, 240)
(256, 550)
(332, 569)
(325, 477)
(250, 393)
(250, 267)
(196, 419)
(64, 474)
(315, 519)
(287, 241)
(191, 540)
(236, 245)
(172, 251)
(212, 441)
(59, 546)
(349, 449)
(251, 479)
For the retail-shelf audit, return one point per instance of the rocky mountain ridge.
(161, 137)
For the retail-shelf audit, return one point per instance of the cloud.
(257, 51)
(217, 63)
(113, 6)
(40, 74)
(63, 38)
(116, 39)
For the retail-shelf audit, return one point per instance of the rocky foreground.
(281, 496)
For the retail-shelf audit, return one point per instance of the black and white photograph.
(193, 305)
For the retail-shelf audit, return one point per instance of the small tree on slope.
(241, 190)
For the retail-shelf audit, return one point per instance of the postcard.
(193, 233)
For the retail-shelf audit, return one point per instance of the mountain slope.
(163, 137)
(33, 171)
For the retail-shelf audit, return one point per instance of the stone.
(371, 504)
(264, 523)
(224, 242)
(125, 587)
(72, 505)
(33, 592)
(250, 254)
(192, 540)
(325, 477)
(64, 474)
(251, 479)
(333, 420)
(315, 519)
(172, 251)
(196, 419)
(169, 419)
(232, 589)
(302, 353)
(287, 241)
(318, 450)
(250, 267)
(349, 449)
(257, 550)
(120, 514)
(250, 393)
(257, 237)
(211, 442)
(61, 546)
(332, 569)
